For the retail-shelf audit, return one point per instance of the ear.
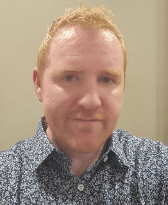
(37, 86)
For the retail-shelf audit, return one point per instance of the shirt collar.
(38, 147)
(41, 148)
(118, 145)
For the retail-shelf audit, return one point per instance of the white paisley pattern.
(130, 171)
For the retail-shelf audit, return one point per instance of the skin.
(81, 92)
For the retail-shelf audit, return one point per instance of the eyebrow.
(64, 70)
(114, 72)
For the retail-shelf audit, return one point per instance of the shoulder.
(142, 150)
(11, 157)
(147, 162)
(11, 165)
(11, 161)
(13, 154)
(141, 143)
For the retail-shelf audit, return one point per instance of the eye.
(69, 78)
(106, 80)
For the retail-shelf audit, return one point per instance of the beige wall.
(143, 26)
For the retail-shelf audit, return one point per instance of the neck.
(80, 161)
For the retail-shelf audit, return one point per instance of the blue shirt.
(130, 171)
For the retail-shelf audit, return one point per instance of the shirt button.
(106, 158)
(80, 187)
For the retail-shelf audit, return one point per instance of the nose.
(90, 99)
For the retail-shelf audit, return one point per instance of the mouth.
(88, 120)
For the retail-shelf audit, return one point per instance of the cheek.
(53, 95)
(57, 102)
(115, 102)
(113, 109)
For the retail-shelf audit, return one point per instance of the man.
(77, 156)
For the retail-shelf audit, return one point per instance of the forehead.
(85, 47)
(77, 31)
(82, 37)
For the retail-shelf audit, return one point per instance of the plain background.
(144, 26)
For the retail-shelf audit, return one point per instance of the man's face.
(82, 88)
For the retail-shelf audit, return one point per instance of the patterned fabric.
(130, 171)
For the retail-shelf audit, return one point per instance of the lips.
(88, 120)
(97, 117)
